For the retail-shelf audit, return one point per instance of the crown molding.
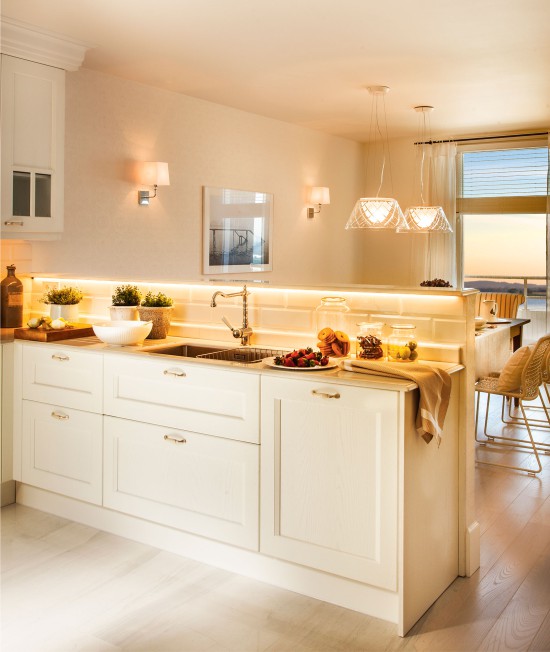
(26, 41)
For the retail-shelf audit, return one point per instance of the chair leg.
(529, 444)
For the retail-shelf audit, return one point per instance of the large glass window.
(502, 198)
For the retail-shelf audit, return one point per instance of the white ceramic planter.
(126, 313)
(68, 312)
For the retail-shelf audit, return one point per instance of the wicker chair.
(507, 303)
(529, 390)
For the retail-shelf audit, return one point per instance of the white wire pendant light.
(377, 212)
(425, 219)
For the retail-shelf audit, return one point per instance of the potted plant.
(158, 309)
(126, 300)
(63, 302)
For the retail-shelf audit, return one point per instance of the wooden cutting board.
(42, 335)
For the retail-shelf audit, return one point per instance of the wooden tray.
(42, 335)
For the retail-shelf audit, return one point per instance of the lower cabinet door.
(62, 450)
(329, 465)
(202, 484)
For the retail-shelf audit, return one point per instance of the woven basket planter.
(160, 318)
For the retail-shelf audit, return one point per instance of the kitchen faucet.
(245, 332)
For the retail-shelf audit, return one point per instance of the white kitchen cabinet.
(7, 482)
(188, 396)
(63, 375)
(197, 483)
(33, 133)
(329, 465)
(62, 450)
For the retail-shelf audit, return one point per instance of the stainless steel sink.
(245, 354)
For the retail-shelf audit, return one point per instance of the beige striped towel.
(434, 386)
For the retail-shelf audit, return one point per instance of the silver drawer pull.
(174, 372)
(175, 440)
(325, 394)
(60, 356)
(14, 223)
(60, 415)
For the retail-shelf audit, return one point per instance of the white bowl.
(121, 332)
(480, 322)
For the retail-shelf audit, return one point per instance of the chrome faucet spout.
(245, 332)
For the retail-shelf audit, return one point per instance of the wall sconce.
(151, 173)
(319, 195)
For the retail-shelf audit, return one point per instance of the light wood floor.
(68, 587)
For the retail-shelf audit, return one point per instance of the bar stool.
(528, 390)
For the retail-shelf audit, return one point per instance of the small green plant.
(127, 295)
(159, 300)
(65, 296)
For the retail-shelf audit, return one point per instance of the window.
(502, 198)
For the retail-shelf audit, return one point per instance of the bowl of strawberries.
(302, 360)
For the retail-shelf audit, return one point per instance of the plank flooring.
(68, 587)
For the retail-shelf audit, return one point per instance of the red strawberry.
(302, 362)
(289, 362)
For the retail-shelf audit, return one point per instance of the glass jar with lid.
(369, 340)
(332, 313)
(402, 344)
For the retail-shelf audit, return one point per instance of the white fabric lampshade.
(320, 195)
(154, 173)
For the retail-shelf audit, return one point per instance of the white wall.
(111, 123)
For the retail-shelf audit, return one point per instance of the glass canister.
(12, 300)
(332, 313)
(369, 340)
(402, 344)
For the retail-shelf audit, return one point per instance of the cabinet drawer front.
(64, 376)
(62, 450)
(184, 396)
(204, 485)
(329, 478)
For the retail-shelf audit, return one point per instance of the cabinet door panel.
(329, 478)
(197, 483)
(185, 396)
(63, 376)
(62, 450)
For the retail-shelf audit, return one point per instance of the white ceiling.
(483, 64)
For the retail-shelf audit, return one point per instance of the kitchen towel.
(434, 386)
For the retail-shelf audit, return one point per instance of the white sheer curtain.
(548, 240)
(444, 254)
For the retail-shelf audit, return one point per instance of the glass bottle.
(402, 344)
(332, 313)
(11, 300)
(369, 340)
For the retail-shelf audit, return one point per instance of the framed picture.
(237, 231)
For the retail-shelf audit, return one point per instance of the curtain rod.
(467, 140)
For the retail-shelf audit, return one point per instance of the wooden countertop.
(6, 334)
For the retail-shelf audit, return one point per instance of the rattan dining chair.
(529, 390)
(508, 303)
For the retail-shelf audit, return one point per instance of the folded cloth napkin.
(434, 386)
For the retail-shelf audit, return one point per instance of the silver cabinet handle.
(14, 223)
(315, 392)
(60, 356)
(60, 415)
(174, 372)
(175, 440)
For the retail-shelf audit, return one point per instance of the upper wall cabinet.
(33, 138)
(32, 127)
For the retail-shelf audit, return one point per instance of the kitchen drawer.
(62, 450)
(63, 376)
(193, 397)
(201, 484)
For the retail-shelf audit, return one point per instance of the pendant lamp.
(425, 219)
(377, 212)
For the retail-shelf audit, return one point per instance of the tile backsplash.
(280, 317)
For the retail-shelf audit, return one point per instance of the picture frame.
(237, 231)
